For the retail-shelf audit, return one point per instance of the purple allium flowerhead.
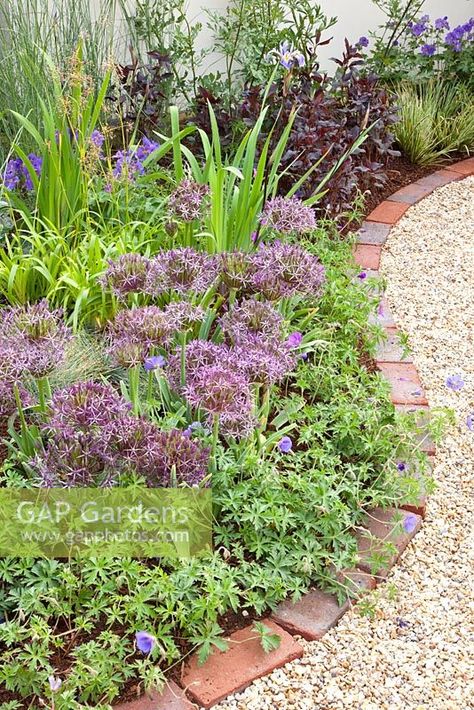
(8, 403)
(442, 23)
(154, 362)
(455, 382)
(251, 317)
(40, 335)
(264, 360)
(410, 522)
(187, 460)
(470, 421)
(187, 201)
(236, 270)
(295, 339)
(85, 407)
(223, 392)
(182, 315)
(363, 41)
(198, 354)
(147, 326)
(126, 274)
(428, 50)
(285, 444)
(145, 642)
(182, 270)
(284, 270)
(288, 215)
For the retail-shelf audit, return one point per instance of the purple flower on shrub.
(145, 148)
(410, 522)
(420, 27)
(287, 215)
(442, 23)
(284, 270)
(154, 363)
(363, 41)
(428, 50)
(295, 340)
(145, 642)
(126, 274)
(127, 165)
(251, 317)
(455, 382)
(285, 444)
(187, 200)
(182, 270)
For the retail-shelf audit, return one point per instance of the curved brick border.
(313, 615)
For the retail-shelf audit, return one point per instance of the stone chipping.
(411, 644)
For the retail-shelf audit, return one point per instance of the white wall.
(357, 17)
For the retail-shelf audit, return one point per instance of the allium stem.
(215, 441)
(265, 410)
(134, 381)
(28, 442)
(44, 393)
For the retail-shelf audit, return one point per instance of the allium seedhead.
(236, 270)
(265, 360)
(251, 318)
(127, 274)
(225, 393)
(284, 270)
(182, 270)
(288, 215)
(186, 202)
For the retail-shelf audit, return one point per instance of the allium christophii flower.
(410, 522)
(135, 331)
(287, 56)
(264, 360)
(38, 333)
(179, 457)
(187, 201)
(127, 274)
(295, 340)
(198, 354)
(182, 270)
(284, 270)
(145, 642)
(154, 362)
(225, 393)
(250, 318)
(285, 444)
(86, 406)
(235, 270)
(288, 215)
(455, 382)
(182, 315)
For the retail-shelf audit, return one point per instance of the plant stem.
(44, 393)
(133, 380)
(215, 441)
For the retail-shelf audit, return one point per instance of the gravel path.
(417, 651)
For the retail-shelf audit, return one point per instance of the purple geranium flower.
(410, 522)
(470, 421)
(428, 50)
(285, 444)
(154, 362)
(54, 683)
(455, 382)
(362, 275)
(401, 465)
(363, 41)
(145, 642)
(295, 339)
(442, 23)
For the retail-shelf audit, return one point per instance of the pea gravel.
(416, 651)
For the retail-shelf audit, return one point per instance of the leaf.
(268, 640)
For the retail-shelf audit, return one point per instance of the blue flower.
(363, 41)
(362, 275)
(285, 444)
(428, 50)
(294, 340)
(401, 465)
(442, 23)
(287, 55)
(470, 421)
(154, 362)
(410, 523)
(455, 382)
(54, 683)
(145, 642)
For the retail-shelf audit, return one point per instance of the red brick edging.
(313, 615)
